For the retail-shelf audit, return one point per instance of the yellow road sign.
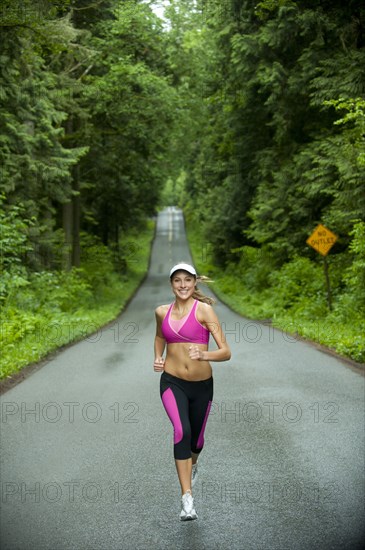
(322, 239)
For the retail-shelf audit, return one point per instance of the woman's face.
(183, 284)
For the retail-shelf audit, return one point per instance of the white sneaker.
(194, 474)
(188, 511)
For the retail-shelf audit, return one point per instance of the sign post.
(322, 240)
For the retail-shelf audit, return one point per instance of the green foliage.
(14, 235)
(280, 150)
(273, 160)
(132, 107)
(36, 166)
(266, 7)
(97, 263)
(56, 308)
(14, 244)
(355, 274)
(352, 301)
(249, 115)
(253, 265)
(293, 297)
(87, 116)
(355, 117)
(299, 286)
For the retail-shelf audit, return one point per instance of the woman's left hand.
(195, 353)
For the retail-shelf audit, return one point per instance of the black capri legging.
(187, 405)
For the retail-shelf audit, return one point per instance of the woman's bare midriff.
(178, 363)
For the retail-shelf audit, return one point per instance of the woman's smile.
(183, 285)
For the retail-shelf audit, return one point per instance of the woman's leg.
(194, 457)
(183, 468)
(199, 409)
(176, 404)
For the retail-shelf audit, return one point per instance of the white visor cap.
(183, 267)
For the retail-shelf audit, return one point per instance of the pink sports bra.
(189, 330)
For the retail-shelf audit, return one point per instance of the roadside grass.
(56, 308)
(341, 330)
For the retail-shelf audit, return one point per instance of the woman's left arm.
(223, 353)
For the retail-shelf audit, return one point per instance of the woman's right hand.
(159, 364)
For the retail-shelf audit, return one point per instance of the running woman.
(186, 383)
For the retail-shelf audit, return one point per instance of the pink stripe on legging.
(169, 402)
(200, 442)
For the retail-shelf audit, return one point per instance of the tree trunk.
(67, 224)
(76, 200)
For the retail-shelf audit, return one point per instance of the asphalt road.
(87, 447)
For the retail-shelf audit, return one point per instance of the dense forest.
(249, 115)
(283, 149)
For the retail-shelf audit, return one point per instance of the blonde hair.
(198, 295)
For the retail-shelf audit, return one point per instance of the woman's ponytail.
(198, 294)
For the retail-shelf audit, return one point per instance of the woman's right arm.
(160, 343)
